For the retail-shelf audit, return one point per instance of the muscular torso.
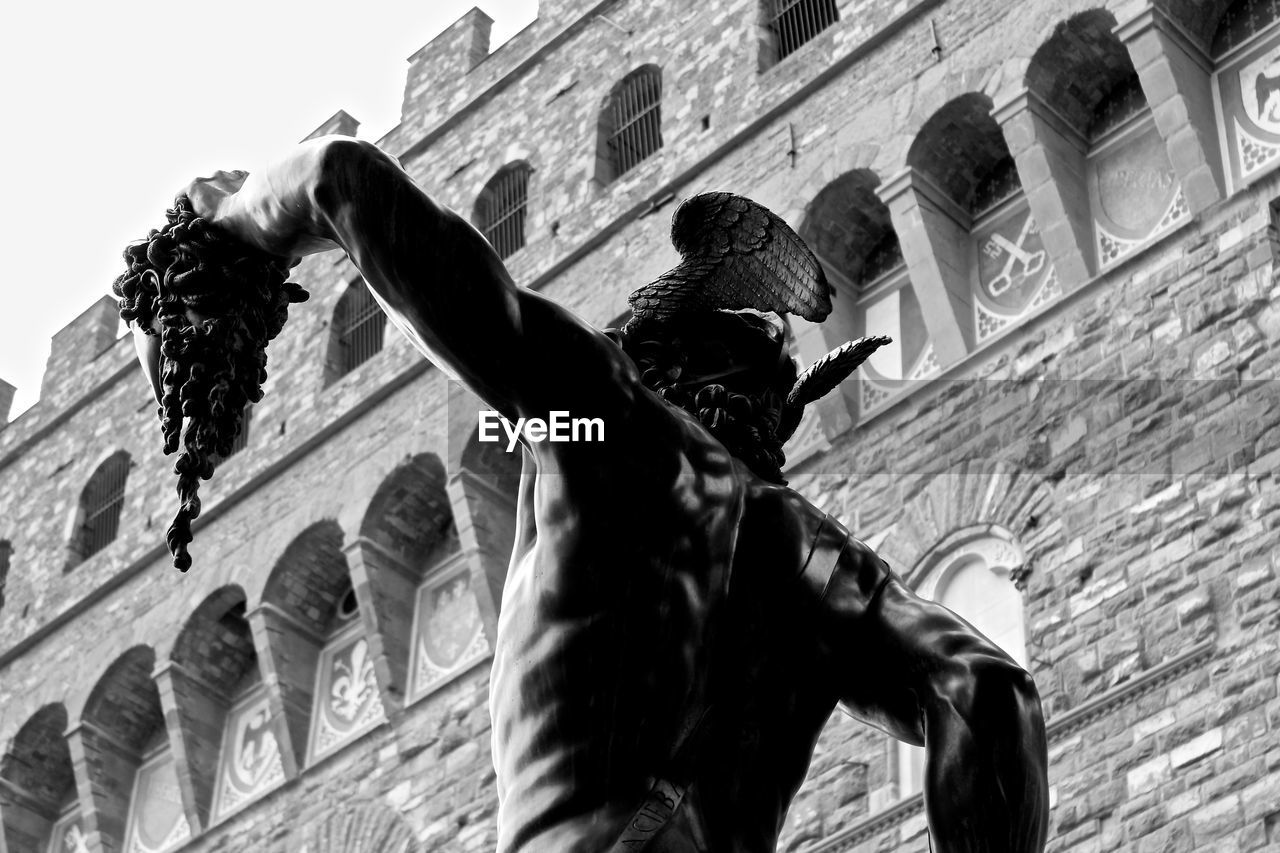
(617, 611)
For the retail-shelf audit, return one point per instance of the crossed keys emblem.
(997, 244)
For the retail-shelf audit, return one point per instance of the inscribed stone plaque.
(1133, 191)
(68, 835)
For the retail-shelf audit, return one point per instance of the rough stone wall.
(1127, 436)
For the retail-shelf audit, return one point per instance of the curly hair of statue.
(748, 425)
(212, 369)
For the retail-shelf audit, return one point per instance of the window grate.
(636, 119)
(361, 326)
(242, 439)
(502, 209)
(795, 22)
(101, 504)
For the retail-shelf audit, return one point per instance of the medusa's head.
(202, 307)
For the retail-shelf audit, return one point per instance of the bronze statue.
(677, 624)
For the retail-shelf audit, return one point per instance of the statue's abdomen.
(603, 645)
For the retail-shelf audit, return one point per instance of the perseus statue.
(676, 625)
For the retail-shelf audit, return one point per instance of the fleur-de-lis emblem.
(354, 685)
(74, 841)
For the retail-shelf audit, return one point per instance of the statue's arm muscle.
(438, 278)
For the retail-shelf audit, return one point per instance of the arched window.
(631, 125)
(789, 24)
(358, 330)
(973, 581)
(1246, 58)
(98, 515)
(849, 228)
(500, 210)
(242, 438)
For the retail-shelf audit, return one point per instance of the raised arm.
(437, 277)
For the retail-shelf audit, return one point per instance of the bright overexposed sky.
(110, 108)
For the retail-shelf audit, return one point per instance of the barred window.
(242, 440)
(500, 210)
(633, 120)
(6, 549)
(792, 23)
(100, 506)
(358, 329)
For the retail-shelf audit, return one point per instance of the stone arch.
(122, 742)
(959, 148)
(1200, 18)
(213, 663)
(409, 514)
(367, 827)
(38, 779)
(298, 608)
(406, 538)
(1080, 66)
(978, 497)
(847, 225)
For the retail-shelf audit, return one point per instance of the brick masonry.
(1125, 436)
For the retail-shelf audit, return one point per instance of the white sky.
(110, 108)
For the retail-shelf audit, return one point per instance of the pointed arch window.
(101, 502)
(631, 126)
(502, 207)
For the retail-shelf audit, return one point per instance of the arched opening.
(1083, 74)
(788, 25)
(40, 808)
(501, 209)
(231, 742)
(358, 329)
(409, 528)
(323, 661)
(99, 509)
(137, 793)
(630, 126)
(850, 229)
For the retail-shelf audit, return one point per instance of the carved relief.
(1247, 97)
(448, 634)
(1133, 191)
(1014, 275)
(251, 763)
(346, 703)
(891, 308)
(68, 835)
(157, 822)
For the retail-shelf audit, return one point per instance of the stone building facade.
(1062, 211)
